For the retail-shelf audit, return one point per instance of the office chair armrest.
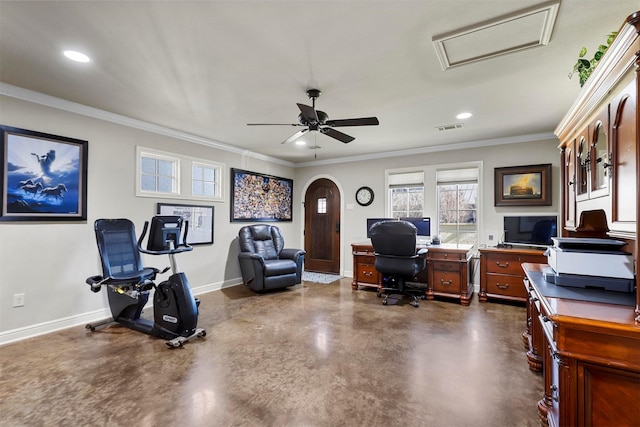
(293, 254)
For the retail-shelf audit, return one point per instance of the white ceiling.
(209, 67)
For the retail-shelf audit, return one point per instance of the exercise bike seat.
(119, 254)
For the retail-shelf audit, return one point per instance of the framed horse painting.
(44, 176)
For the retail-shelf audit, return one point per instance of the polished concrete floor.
(312, 355)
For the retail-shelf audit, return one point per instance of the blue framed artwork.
(44, 176)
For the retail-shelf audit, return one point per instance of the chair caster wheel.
(90, 327)
(384, 302)
(423, 297)
(378, 294)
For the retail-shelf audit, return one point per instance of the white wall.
(49, 262)
(353, 175)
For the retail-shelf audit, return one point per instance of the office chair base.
(389, 292)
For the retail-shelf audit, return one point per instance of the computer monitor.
(371, 221)
(423, 224)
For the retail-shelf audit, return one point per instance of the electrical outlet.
(490, 237)
(18, 300)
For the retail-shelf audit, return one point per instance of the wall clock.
(364, 196)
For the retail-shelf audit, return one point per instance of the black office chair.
(394, 245)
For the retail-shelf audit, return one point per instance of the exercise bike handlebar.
(182, 247)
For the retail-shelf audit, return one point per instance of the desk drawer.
(446, 266)
(512, 286)
(366, 273)
(447, 256)
(447, 282)
(511, 263)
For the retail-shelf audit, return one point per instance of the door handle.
(337, 226)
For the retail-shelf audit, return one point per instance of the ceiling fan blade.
(309, 113)
(295, 136)
(274, 124)
(363, 121)
(343, 137)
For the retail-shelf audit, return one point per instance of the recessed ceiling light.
(76, 56)
(463, 116)
(301, 142)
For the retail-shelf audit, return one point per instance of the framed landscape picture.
(259, 197)
(44, 177)
(523, 185)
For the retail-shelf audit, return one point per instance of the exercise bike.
(128, 283)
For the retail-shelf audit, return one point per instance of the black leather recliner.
(394, 245)
(264, 262)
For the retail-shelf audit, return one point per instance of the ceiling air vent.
(449, 127)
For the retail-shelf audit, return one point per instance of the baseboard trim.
(44, 328)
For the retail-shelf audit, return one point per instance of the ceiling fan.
(316, 120)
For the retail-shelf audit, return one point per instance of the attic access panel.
(506, 34)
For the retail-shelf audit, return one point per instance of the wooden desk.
(447, 272)
(501, 272)
(588, 345)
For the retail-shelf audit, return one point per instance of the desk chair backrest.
(396, 238)
(118, 247)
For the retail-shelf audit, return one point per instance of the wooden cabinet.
(501, 274)
(599, 143)
(364, 270)
(589, 347)
(448, 272)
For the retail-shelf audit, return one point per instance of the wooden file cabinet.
(364, 270)
(448, 272)
(501, 275)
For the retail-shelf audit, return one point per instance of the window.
(205, 180)
(158, 173)
(406, 194)
(322, 205)
(458, 205)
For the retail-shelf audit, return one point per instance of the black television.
(423, 224)
(530, 230)
(371, 221)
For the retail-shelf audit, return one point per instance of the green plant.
(584, 67)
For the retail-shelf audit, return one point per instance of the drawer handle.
(502, 286)
(367, 273)
(505, 265)
(447, 283)
(554, 392)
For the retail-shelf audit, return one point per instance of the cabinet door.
(569, 172)
(582, 166)
(624, 145)
(600, 163)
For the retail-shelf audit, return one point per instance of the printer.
(590, 263)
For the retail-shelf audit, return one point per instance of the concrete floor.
(311, 355)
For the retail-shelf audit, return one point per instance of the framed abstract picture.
(257, 197)
(523, 185)
(44, 176)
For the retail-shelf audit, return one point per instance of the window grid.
(205, 180)
(458, 213)
(158, 174)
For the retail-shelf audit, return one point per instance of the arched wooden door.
(322, 227)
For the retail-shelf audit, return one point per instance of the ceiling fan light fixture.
(76, 56)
